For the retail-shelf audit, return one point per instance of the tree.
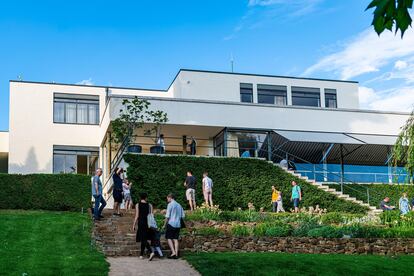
(391, 13)
(135, 115)
(388, 13)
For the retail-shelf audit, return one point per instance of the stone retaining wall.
(298, 245)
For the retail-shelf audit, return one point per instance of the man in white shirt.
(207, 189)
(172, 224)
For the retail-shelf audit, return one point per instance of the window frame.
(77, 99)
(274, 91)
(306, 92)
(246, 86)
(89, 152)
(331, 92)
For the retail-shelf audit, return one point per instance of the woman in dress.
(142, 210)
(117, 192)
(404, 204)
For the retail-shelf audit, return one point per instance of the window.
(272, 94)
(76, 109)
(246, 92)
(330, 98)
(306, 96)
(69, 159)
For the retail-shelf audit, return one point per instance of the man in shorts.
(190, 184)
(296, 196)
(208, 189)
(172, 224)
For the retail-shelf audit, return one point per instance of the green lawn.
(48, 243)
(298, 264)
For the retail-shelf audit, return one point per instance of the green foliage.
(403, 150)
(326, 231)
(240, 231)
(59, 192)
(304, 227)
(237, 182)
(281, 230)
(395, 219)
(390, 12)
(337, 218)
(377, 192)
(208, 231)
(133, 116)
(205, 213)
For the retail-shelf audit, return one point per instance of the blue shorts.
(296, 202)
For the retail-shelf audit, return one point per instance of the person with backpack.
(296, 196)
(207, 189)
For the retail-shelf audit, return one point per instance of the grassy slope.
(48, 243)
(237, 181)
(298, 264)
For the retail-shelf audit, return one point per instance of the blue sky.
(144, 44)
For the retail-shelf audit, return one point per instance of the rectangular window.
(306, 96)
(76, 109)
(246, 92)
(330, 98)
(272, 94)
(69, 159)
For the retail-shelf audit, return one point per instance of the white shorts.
(190, 194)
(207, 194)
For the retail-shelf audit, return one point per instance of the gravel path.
(125, 266)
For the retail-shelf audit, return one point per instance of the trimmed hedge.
(377, 192)
(57, 192)
(237, 181)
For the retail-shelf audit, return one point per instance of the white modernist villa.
(65, 128)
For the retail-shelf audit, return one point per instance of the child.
(126, 186)
(155, 236)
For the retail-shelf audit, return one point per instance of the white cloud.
(365, 54)
(366, 95)
(401, 99)
(400, 64)
(86, 82)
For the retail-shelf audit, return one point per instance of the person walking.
(117, 191)
(404, 204)
(173, 224)
(279, 203)
(193, 146)
(296, 196)
(207, 189)
(190, 184)
(142, 210)
(126, 186)
(275, 196)
(97, 195)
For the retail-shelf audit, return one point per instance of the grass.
(48, 243)
(298, 264)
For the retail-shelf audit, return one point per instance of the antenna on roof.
(232, 62)
(19, 77)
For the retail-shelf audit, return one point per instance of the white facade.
(198, 103)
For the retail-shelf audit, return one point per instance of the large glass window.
(76, 109)
(246, 92)
(306, 96)
(272, 94)
(69, 159)
(330, 98)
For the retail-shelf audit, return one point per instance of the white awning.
(318, 137)
(375, 139)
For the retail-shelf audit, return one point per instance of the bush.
(325, 232)
(56, 192)
(237, 181)
(304, 227)
(240, 231)
(337, 218)
(284, 230)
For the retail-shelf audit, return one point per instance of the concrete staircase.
(372, 209)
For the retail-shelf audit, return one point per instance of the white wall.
(255, 116)
(4, 141)
(226, 87)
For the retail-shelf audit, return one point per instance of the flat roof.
(181, 70)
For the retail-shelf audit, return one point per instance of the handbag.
(151, 220)
(182, 223)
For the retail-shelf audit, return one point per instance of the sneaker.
(171, 257)
(151, 256)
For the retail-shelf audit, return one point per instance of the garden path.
(125, 266)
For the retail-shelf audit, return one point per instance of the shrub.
(237, 181)
(240, 231)
(56, 192)
(208, 231)
(337, 218)
(284, 230)
(325, 232)
(205, 213)
(304, 227)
